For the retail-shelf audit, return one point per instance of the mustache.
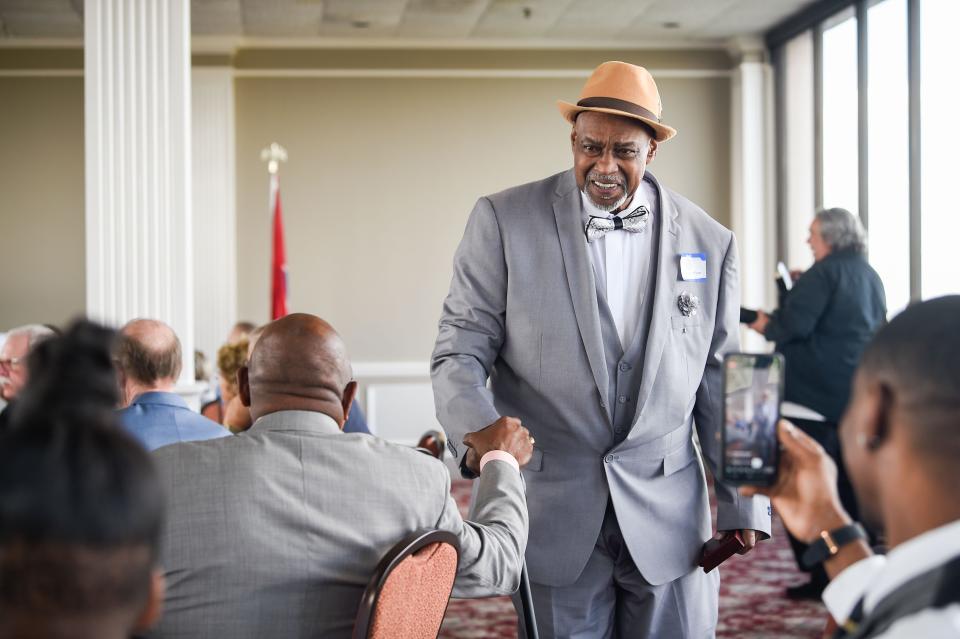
(611, 178)
(4, 380)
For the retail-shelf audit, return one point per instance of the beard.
(606, 206)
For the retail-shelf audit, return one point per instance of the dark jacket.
(826, 321)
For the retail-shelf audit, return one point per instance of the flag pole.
(273, 155)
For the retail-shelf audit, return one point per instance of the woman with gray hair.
(824, 324)
(840, 230)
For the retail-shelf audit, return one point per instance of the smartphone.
(752, 390)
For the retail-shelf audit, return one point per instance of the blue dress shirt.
(158, 419)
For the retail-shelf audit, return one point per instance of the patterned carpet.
(752, 605)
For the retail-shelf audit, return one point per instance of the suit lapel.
(580, 279)
(665, 294)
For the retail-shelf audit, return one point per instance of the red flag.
(278, 291)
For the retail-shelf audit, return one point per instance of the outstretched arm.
(734, 512)
(471, 332)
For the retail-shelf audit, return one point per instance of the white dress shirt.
(876, 577)
(621, 261)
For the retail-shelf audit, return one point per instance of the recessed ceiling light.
(671, 25)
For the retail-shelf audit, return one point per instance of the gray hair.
(842, 230)
(35, 333)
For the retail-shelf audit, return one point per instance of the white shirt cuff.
(847, 588)
(499, 455)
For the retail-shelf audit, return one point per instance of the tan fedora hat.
(623, 89)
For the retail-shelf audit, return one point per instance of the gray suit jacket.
(523, 310)
(276, 532)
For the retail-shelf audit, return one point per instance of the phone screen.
(752, 387)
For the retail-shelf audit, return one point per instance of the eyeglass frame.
(10, 362)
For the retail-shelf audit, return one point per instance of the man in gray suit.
(276, 532)
(599, 304)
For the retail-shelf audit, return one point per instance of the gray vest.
(625, 368)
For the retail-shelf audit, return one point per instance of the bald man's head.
(299, 363)
(148, 352)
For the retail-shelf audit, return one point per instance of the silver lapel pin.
(688, 304)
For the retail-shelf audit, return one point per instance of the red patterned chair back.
(408, 594)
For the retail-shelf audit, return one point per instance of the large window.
(839, 108)
(887, 147)
(797, 174)
(900, 176)
(940, 221)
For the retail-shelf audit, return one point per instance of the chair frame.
(407, 546)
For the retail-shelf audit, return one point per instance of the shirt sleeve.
(935, 623)
(842, 594)
(499, 455)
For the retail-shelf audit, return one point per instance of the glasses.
(10, 362)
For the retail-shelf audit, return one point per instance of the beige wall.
(382, 175)
(41, 200)
(384, 171)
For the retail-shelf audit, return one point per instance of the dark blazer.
(158, 419)
(826, 321)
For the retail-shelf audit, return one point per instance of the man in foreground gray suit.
(599, 304)
(276, 532)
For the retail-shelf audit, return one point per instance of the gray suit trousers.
(612, 600)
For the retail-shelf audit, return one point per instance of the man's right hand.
(805, 493)
(506, 434)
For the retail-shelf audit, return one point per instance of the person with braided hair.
(81, 506)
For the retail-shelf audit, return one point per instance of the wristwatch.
(830, 543)
(465, 471)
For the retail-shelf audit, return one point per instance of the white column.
(139, 224)
(214, 208)
(752, 177)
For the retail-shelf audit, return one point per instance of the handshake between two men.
(506, 434)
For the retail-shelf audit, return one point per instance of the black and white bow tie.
(634, 222)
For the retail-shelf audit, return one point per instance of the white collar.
(913, 558)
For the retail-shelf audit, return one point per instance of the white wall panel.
(214, 208)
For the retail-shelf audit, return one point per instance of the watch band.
(830, 543)
(465, 471)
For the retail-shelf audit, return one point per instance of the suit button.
(624, 366)
(618, 430)
(622, 399)
(608, 458)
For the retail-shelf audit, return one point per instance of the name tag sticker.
(693, 267)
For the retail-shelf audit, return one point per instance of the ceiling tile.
(616, 21)
(596, 19)
(441, 18)
(519, 18)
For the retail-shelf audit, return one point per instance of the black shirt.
(825, 323)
